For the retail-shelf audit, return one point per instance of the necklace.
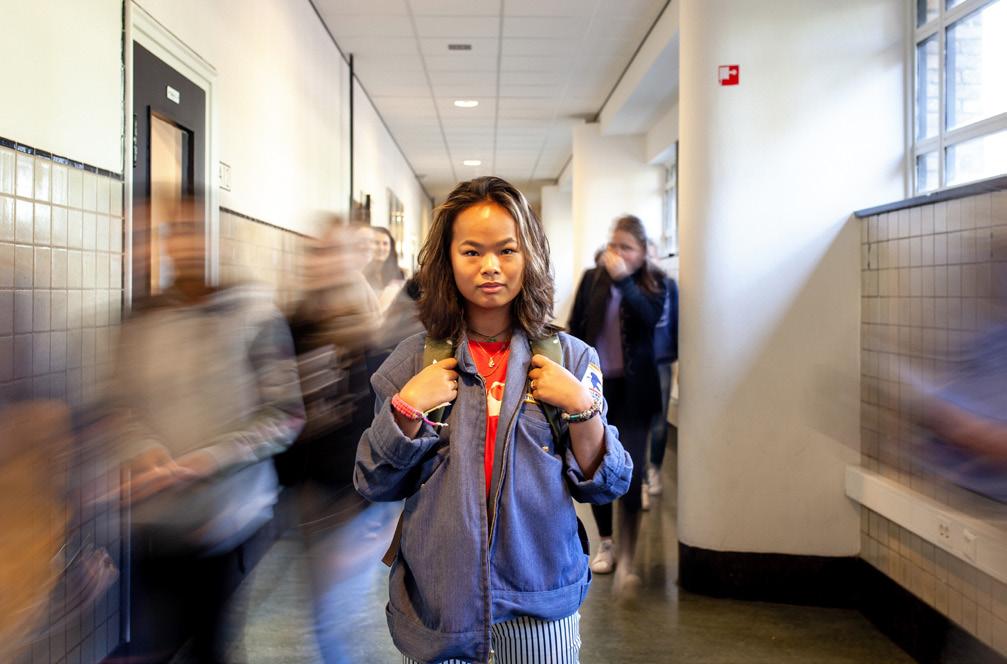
(492, 338)
(492, 359)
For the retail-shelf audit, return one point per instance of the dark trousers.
(624, 414)
(181, 596)
(659, 428)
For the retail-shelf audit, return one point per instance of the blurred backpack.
(328, 403)
(666, 330)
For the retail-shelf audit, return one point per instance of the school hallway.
(664, 624)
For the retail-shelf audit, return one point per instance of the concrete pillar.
(769, 174)
(557, 217)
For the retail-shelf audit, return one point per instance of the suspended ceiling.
(536, 67)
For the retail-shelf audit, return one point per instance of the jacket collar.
(520, 355)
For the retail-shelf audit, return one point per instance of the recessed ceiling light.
(466, 103)
(472, 162)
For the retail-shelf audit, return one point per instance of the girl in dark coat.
(617, 307)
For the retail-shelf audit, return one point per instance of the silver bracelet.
(585, 415)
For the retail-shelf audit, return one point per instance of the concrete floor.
(665, 624)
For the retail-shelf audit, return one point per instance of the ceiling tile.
(372, 25)
(469, 91)
(458, 28)
(464, 78)
(379, 46)
(422, 106)
(536, 47)
(461, 61)
(454, 7)
(367, 65)
(533, 91)
(561, 63)
(383, 87)
(553, 7)
(439, 46)
(553, 79)
(545, 27)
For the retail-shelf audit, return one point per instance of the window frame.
(669, 206)
(944, 138)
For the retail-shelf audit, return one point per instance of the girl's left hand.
(553, 384)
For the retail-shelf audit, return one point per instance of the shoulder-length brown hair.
(650, 277)
(441, 306)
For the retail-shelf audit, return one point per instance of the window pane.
(927, 90)
(976, 53)
(953, 3)
(979, 158)
(926, 172)
(925, 10)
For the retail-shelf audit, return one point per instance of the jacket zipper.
(495, 503)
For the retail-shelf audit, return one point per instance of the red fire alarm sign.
(728, 74)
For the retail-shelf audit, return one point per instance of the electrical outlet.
(225, 176)
(944, 531)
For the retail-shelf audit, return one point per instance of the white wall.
(659, 141)
(378, 165)
(610, 178)
(61, 64)
(282, 103)
(770, 172)
(557, 217)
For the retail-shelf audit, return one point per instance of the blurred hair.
(649, 276)
(441, 306)
(389, 270)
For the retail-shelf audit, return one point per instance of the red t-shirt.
(494, 377)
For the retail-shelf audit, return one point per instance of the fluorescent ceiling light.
(466, 103)
(472, 162)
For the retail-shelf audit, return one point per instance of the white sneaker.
(654, 487)
(626, 586)
(645, 498)
(604, 560)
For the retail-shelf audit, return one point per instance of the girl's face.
(382, 246)
(485, 256)
(626, 246)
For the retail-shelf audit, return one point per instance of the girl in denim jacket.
(492, 563)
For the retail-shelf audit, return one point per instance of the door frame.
(143, 28)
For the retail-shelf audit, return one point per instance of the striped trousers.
(529, 641)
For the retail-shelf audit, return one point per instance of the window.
(959, 97)
(669, 224)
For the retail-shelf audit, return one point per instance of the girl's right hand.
(433, 386)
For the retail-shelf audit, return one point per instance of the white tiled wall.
(252, 250)
(926, 288)
(61, 266)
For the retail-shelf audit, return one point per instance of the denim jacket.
(466, 562)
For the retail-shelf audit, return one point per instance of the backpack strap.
(551, 348)
(435, 350)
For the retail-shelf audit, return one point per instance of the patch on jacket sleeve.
(592, 378)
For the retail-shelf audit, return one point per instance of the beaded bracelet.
(585, 415)
(414, 414)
